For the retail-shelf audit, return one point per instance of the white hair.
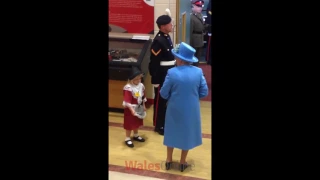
(184, 62)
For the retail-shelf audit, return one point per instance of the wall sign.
(131, 16)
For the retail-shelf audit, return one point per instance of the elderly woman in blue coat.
(183, 87)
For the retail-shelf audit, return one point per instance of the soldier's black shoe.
(129, 144)
(183, 167)
(160, 131)
(140, 139)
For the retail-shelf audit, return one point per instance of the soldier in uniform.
(208, 21)
(197, 27)
(161, 60)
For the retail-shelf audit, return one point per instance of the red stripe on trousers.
(208, 48)
(155, 117)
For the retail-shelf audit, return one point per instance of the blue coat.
(183, 87)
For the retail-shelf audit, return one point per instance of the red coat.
(131, 95)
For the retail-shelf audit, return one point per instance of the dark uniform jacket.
(197, 29)
(160, 51)
(209, 17)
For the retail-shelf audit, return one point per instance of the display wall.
(131, 16)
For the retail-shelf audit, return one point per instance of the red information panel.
(131, 16)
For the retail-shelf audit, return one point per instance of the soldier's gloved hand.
(155, 85)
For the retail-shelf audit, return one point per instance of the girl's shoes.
(129, 143)
(139, 138)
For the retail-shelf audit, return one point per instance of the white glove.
(155, 85)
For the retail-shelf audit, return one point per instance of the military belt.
(167, 63)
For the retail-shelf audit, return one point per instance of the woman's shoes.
(183, 167)
(168, 165)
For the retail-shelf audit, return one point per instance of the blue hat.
(185, 52)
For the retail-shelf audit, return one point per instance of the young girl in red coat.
(134, 103)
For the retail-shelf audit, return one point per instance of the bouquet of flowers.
(176, 48)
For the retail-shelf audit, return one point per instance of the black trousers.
(209, 51)
(159, 109)
(197, 55)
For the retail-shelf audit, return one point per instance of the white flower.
(176, 49)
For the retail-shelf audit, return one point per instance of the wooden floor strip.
(150, 128)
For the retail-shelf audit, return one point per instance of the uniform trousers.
(159, 109)
(160, 104)
(197, 55)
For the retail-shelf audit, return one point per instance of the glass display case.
(123, 54)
